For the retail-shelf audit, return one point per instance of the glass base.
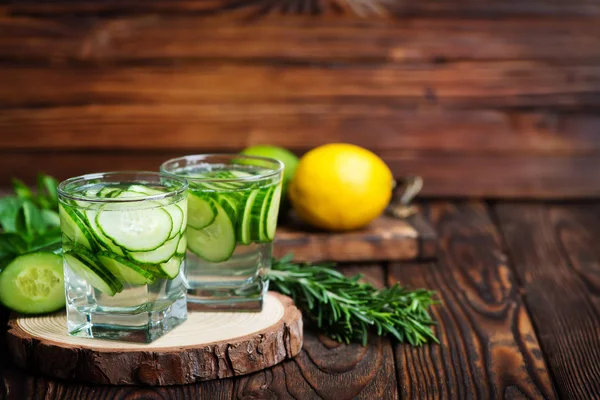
(223, 300)
(143, 327)
(237, 284)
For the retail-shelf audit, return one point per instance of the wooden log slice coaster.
(209, 345)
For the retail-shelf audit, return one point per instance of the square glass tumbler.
(233, 205)
(124, 252)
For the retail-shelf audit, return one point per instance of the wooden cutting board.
(386, 238)
(209, 345)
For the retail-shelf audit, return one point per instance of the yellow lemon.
(340, 187)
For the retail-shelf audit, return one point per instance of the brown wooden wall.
(481, 97)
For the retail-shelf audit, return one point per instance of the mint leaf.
(22, 190)
(47, 191)
(9, 211)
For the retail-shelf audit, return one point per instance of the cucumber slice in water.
(124, 269)
(157, 256)
(33, 283)
(177, 215)
(171, 267)
(182, 246)
(143, 189)
(101, 238)
(73, 226)
(216, 242)
(201, 210)
(99, 277)
(272, 213)
(244, 228)
(136, 229)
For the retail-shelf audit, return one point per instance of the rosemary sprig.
(345, 308)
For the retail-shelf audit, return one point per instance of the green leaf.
(47, 240)
(32, 219)
(22, 190)
(50, 218)
(47, 190)
(12, 243)
(9, 211)
(346, 308)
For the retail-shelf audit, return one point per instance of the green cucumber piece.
(101, 238)
(144, 190)
(177, 217)
(172, 266)
(156, 271)
(73, 226)
(109, 192)
(124, 269)
(182, 246)
(201, 210)
(157, 256)
(259, 213)
(33, 283)
(84, 265)
(136, 229)
(216, 242)
(243, 228)
(270, 222)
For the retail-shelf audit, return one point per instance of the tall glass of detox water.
(124, 251)
(233, 205)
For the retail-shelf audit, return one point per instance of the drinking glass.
(233, 205)
(124, 252)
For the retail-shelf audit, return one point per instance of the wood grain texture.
(445, 174)
(386, 238)
(324, 369)
(307, 125)
(492, 8)
(488, 346)
(295, 39)
(458, 84)
(555, 254)
(39, 344)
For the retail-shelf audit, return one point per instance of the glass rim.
(100, 175)
(271, 173)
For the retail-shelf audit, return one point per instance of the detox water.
(233, 204)
(124, 255)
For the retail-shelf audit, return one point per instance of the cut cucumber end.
(33, 283)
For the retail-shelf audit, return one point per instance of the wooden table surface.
(520, 318)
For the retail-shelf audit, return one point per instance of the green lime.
(289, 159)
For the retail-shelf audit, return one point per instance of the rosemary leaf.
(345, 308)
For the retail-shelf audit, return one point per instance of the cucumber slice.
(171, 267)
(101, 238)
(33, 283)
(97, 276)
(156, 271)
(216, 242)
(243, 228)
(271, 219)
(201, 210)
(177, 215)
(259, 214)
(73, 226)
(126, 194)
(136, 229)
(143, 189)
(124, 269)
(182, 246)
(109, 192)
(157, 256)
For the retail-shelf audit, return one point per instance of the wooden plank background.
(481, 98)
